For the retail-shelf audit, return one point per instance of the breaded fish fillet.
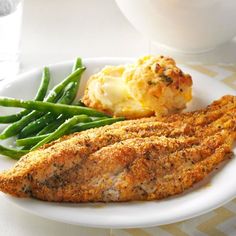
(142, 159)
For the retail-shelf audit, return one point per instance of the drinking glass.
(10, 31)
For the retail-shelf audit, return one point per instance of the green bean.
(61, 130)
(43, 88)
(13, 153)
(69, 93)
(52, 126)
(98, 118)
(68, 97)
(77, 64)
(16, 127)
(31, 140)
(58, 109)
(39, 97)
(14, 117)
(36, 125)
(53, 95)
(93, 124)
(26, 148)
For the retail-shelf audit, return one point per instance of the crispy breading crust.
(142, 159)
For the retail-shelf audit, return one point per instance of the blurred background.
(60, 30)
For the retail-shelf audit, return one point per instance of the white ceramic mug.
(185, 25)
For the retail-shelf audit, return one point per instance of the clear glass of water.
(10, 32)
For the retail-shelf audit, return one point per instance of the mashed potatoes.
(152, 85)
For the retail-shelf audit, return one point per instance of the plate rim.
(113, 226)
(105, 225)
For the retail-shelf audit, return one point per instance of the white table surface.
(59, 30)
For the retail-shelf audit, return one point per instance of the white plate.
(215, 191)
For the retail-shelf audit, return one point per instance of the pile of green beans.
(50, 115)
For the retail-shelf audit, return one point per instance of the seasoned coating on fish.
(142, 159)
(138, 169)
